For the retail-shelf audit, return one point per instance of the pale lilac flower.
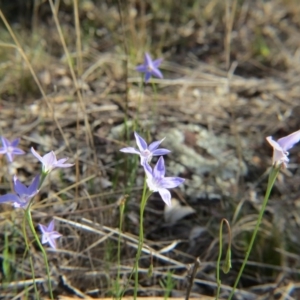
(50, 162)
(49, 235)
(281, 147)
(23, 194)
(157, 182)
(10, 148)
(150, 67)
(146, 152)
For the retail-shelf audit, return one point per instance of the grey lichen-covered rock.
(206, 156)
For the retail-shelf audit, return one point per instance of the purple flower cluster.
(150, 67)
(23, 195)
(146, 152)
(10, 148)
(49, 235)
(49, 161)
(156, 180)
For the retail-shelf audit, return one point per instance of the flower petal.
(274, 144)
(289, 141)
(159, 152)
(157, 73)
(55, 235)
(165, 195)
(148, 170)
(15, 142)
(171, 182)
(36, 154)
(140, 142)
(279, 157)
(147, 76)
(52, 243)
(9, 198)
(153, 146)
(61, 163)
(159, 169)
(5, 142)
(45, 239)
(157, 62)
(141, 68)
(52, 239)
(17, 151)
(33, 188)
(147, 60)
(19, 187)
(43, 228)
(50, 226)
(10, 156)
(48, 160)
(130, 150)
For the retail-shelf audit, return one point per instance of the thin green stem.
(220, 253)
(141, 237)
(272, 178)
(141, 97)
(145, 197)
(30, 222)
(43, 177)
(30, 258)
(122, 208)
(154, 107)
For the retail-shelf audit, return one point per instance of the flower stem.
(272, 177)
(220, 253)
(122, 208)
(140, 100)
(145, 197)
(154, 107)
(43, 177)
(30, 258)
(30, 222)
(141, 237)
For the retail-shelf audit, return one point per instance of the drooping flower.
(157, 182)
(146, 152)
(49, 235)
(150, 67)
(23, 194)
(281, 147)
(50, 162)
(10, 148)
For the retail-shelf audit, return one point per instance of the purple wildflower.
(23, 194)
(10, 148)
(150, 67)
(157, 182)
(50, 162)
(49, 235)
(146, 152)
(281, 147)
